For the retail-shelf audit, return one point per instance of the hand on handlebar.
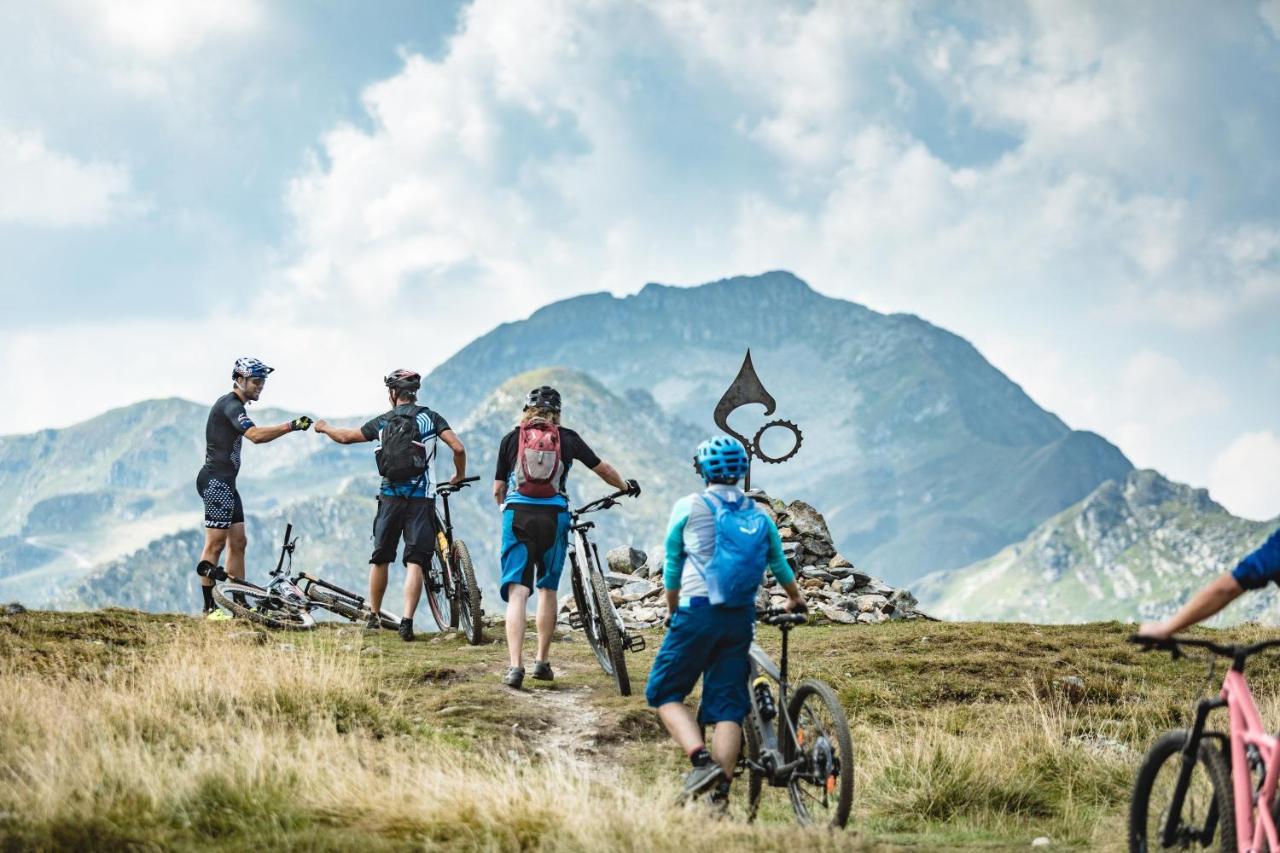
(796, 604)
(633, 489)
(1153, 631)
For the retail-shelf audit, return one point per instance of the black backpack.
(401, 458)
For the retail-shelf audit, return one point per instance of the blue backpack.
(742, 551)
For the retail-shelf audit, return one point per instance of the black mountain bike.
(450, 581)
(798, 741)
(596, 615)
(280, 604)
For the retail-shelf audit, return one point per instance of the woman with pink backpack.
(529, 484)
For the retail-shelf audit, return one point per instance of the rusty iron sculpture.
(747, 390)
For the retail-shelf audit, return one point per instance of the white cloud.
(43, 187)
(1244, 475)
(160, 30)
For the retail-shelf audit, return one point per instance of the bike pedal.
(634, 643)
(575, 621)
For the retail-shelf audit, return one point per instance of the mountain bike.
(450, 581)
(1232, 797)
(596, 616)
(799, 741)
(339, 601)
(280, 604)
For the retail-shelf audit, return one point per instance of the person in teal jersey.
(712, 615)
(535, 530)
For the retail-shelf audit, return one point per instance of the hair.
(404, 395)
(539, 414)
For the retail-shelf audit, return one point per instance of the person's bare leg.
(726, 741)
(215, 540)
(412, 589)
(377, 585)
(517, 600)
(681, 726)
(236, 544)
(546, 621)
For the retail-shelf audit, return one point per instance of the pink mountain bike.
(1200, 789)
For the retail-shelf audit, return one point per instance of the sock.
(207, 592)
(700, 757)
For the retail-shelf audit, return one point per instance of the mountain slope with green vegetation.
(120, 729)
(1133, 549)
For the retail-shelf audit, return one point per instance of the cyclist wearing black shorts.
(535, 530)
(406, 507)
(228, 425)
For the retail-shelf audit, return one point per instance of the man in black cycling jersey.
(406, 507)
(227, 425)
(1253, 572)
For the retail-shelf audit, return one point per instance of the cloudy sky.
(1090, 192)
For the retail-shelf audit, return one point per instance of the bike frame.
(777, 747)
(579, 541)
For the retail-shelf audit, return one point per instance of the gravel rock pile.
(835, 589)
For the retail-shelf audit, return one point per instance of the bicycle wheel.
(580, 601)
(1208, 809)
(433, 581)
(821, 789)
(609, 629)
(335, 604)
(467, 594)
(262, 607)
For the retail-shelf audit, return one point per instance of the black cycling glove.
(302, 423)
(633, 488)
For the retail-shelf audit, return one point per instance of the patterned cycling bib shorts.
(222, 505)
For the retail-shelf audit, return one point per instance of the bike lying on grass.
(799, 741)
(286, 602)
(450, 581)
(1195, 785)
(596, 616)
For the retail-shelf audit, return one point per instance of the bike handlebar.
(601, 503)
(1173, 646)
(778, 616)
(450, 488)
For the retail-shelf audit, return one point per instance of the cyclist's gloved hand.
(302, 423)
(797, 605)
(633, 489)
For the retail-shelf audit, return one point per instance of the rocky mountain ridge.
(1133, 549)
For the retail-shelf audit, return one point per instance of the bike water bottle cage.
(736, 569)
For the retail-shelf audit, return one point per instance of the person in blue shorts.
(1253, 572)
(712, 574)
(529, 484)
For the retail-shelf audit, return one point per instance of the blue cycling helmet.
(721, 459)
(250, 368)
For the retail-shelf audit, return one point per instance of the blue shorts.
(712, 642)
(534, 541)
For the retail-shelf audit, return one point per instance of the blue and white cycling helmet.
(250, 368)
(721, 459)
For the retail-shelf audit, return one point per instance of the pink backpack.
(538, 463)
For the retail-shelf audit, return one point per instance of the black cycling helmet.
(544, 397)
(403, 380)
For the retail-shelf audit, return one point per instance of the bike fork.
(1190, 752)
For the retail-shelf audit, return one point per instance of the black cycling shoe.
(406, 630)
(514, 677)
(699, 780)
(542, 671)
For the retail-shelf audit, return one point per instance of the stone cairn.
(835, 589)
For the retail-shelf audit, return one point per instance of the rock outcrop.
(836, 590)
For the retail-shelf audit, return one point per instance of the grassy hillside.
(121, 729)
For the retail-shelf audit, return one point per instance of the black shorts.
(412, 518)
(222, 506)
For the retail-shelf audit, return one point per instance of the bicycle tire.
(437, 593)
(284, 618)
(468, 595)
(837, 769)
(1166, 750)
(611, 632)
(580, 601)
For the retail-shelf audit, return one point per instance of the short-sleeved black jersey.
(223, 434)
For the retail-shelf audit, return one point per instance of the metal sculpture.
(746, 390)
